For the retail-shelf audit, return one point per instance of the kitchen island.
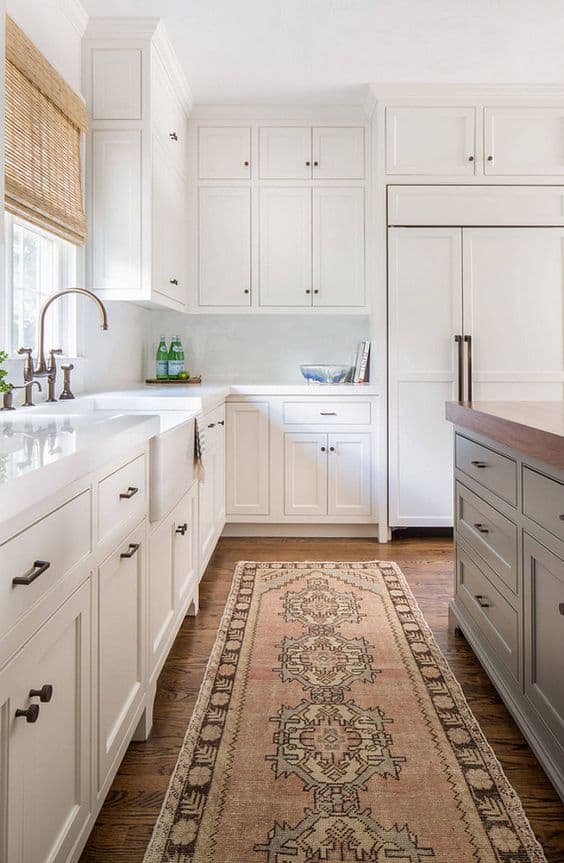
(509, 543)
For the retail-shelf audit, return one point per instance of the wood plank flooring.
(124, 825)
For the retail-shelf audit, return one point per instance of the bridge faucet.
(40, 369)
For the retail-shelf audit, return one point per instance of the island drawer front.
(543, 501)
(494, 471)
(43, 550)
(489, 532)
(319, 412)
(492, 614)
(122, 496)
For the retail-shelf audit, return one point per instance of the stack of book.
(361, 366)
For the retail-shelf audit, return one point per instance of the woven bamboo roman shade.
(44, 121)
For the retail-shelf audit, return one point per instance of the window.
(38, 264)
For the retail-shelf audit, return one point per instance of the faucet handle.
(28, 367)
(53, 367)
(67, 392)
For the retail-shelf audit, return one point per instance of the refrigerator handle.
(468, 340)
(460, 369)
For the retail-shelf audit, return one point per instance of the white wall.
(116, 356)
(261, 348)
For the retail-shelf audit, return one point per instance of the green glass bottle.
(175, 358)
(162, 360)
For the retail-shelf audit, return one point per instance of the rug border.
(161, 828)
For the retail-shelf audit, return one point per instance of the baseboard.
(310, 531)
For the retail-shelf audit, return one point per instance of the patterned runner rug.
(329, 727)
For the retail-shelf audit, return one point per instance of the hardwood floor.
(124, 826)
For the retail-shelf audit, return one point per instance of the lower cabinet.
(544, 634)
(327, 474)
(211, 492)
(247, 461)
(172, 576)
(121, 666)
(45, 738)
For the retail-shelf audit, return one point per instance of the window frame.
(65, 265)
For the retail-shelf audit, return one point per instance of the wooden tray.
(192, 380)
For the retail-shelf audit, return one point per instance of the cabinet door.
(349, 479)
(161, 589)
(285, 153)
(120, 647)
(544, 634)
(437, 141)
(514, 312)
(45, 765)
(206, 526)
(219, 471)
(225, 247)
(185, 550)
(247, 458)
(305, 474)
(523, 141)
(224, 153)
(169, 227)
(338, 153)
(285, 247)
(425, 312)
(115, 238)
(338, 247)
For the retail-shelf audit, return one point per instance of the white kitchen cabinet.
(338, 153)
(425, 313)
(224, 153)
(523, 141)
(305, 460)
(185, 552)
(247, 458)
(224, 246)
(338, 247)
(285, 153)
(285, 271)
(349, 486)
(121, 647)
(431, 140)
(211, 489)
(44, 759)
(136, 188)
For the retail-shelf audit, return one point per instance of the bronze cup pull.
(482, 601)
(480, 464)
(480, 527)
(127, 495)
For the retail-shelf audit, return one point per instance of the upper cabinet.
(136, 165)
(475, 141)
(224, 153)
(523, 141)
(431, 140)
(302, 153)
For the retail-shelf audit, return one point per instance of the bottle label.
(175, 367)
(162, 369)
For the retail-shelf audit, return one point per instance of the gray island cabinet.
(509, 543)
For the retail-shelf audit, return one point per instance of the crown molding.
(301, 113)
(122, 28)
(75, 12)
(174, 70)
(450, 93)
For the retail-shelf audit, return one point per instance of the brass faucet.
(41, 369)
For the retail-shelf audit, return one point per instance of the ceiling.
(325, 51)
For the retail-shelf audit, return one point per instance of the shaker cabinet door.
(338, 153)
(247, 459)
(338, 247)
(349, 479)
(285, 153)
(438, 141)
(224, 153)
(523, 141)
(225, 246)
(285, 247)
(305, 474)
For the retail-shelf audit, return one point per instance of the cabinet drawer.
(122, 496)
(494, 471)
(489, 532)
(326, 413)
(543, 501)
(43, 546)
(490, 611)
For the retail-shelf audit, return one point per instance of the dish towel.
(199, 450)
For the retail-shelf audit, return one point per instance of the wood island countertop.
(533, 428)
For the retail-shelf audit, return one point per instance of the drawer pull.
(482, 601)
(561, 607)
(211, 425)
(45, 694)
(481, 528)
(181, 529)
(328, 413)
(561, 517)
(38, 568)
(133, 548)
(479, 464)
(221, 422)
(127, 495)
(31, 714)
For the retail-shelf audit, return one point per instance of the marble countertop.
(533, 428)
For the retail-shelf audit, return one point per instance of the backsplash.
(261, 348)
